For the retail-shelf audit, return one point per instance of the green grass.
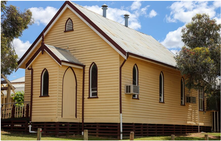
(22, 136)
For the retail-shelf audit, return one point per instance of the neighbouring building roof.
(19, 80)
(129, 39)
(123, 39)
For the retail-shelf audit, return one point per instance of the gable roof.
(61, 56)
(124, 40)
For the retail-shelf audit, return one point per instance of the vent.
(131, 89)
(190, 99)
(69, 25)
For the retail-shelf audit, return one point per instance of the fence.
(15, 110)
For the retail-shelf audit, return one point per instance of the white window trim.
(135, 95)
(91, 81)
(201, 99)
(42, 82)
(162, 84)
(182, 92)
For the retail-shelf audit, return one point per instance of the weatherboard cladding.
(124, 39)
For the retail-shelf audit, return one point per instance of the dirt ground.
(201, 135)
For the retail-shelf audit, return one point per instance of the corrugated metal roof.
(129, 39)
(63, 54)
(21, 79)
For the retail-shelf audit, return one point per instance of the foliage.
(201, 32)
(13, 23)
(199, 59)
(18, 97)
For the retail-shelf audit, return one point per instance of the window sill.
(44, 96)
(136, 98)
(182, 105)
(92, 97)
(68, 30)
(161, 102)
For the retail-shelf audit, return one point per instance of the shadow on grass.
(27, 136)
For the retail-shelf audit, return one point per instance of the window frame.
(42, 84)
(135, 96)
(161, 87)
(201, 100)
(182, 92)
(90, 81)
(65, 30)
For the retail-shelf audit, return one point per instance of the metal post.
(214, 119)
(85, 135)
(39, 134)
(206, 137)
(131, 136)
(217, 121)
(121, 127)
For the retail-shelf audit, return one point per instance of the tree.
(18, 97)
(13, 23)
(199, 59)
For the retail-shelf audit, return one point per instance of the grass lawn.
(21, 136)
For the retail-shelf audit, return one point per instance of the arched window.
(93, 80)
(44, 82)
(135, 78)
(182, 92)
(161, 88)
(69, 25)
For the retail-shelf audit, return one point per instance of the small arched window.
(69, 25)
(135, 78)
(44, 82)
(161, 88)
(93, 80)
(182, 92)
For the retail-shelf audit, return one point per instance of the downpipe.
(30, 129)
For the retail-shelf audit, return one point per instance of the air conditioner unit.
(131, 89)
(190, 99)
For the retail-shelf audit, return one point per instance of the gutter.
(120, 98)
(83, 100)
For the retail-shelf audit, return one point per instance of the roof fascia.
(75, 65)
(46, 29)
(41, 49)
(83, 18)
(150, 60)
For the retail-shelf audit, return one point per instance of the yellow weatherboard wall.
(87, 47)
(148, 109)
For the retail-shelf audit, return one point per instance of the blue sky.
(163, 20)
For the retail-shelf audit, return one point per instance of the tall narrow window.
(201, 100)
(69, 25)
(135, 78)
(93, 80)
(161, 87)
(44, 83)
(182, 92)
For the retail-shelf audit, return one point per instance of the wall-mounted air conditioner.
(131, 89)
(190, 99)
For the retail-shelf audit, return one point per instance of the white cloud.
(20, 46)
(183, 11)
(152, 13)
(135, 5)
(42, 15)
(175, 51)
(173, 39)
